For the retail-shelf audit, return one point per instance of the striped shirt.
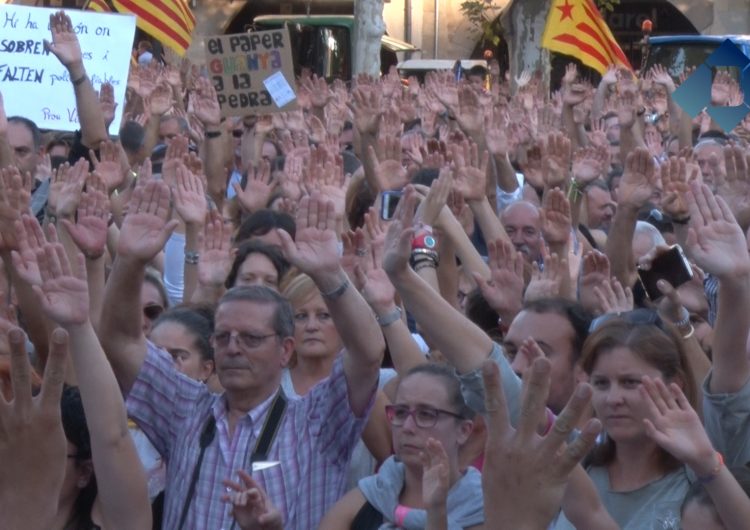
(314, 444)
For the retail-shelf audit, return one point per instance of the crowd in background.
(217, 322)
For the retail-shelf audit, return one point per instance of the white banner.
(34, 83)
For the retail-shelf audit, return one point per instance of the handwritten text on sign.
(240, 65)
(34, 83)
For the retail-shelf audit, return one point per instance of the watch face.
(429, 242)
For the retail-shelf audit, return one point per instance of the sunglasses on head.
(640, 316)
(152, 311)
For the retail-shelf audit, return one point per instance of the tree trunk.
(369, 28)
(523, 23)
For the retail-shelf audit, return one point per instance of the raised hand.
(205, 103)
(258, 189)
(389, 173)
(215, 251)
(64, 293)
(14, 201)
(315, 248)
(66, 188)
(673, 424)
(89, 232)
(496, 133)
(504, 290)
(64, 43)
(399, 236)
(146, 227)
(160, 100)
(318, 89)
(251, 507)
(435, 475)
(525, 474)
(372, 281)
(555, 218)
(32, 440)
(432, 205)
(594, 273)
(365, 105)
(674, 180)
(109, 167)
(589, 164)
(471, 170)
(546, 283)
(189, 197)
(613, 298)
(107, 103)
(469, 114)
(715, 240)
(556, 160)
(638, 180)
(660, 76)
(30, 241)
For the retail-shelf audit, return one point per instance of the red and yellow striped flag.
(576, 28)
(169, 21)
(102, 6)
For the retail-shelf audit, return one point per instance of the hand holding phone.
(671, 265)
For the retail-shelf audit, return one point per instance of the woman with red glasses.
(422, 484)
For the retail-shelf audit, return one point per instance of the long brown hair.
(655, 344)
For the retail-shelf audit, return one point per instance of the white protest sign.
(34, 83)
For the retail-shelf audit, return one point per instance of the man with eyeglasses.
(299, 456)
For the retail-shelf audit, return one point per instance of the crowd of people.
(224, 323)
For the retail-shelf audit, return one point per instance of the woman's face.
(257, 269)
(180, 343)
(427, 393)
(698, 516)
(616, 378)
(152, 304)
(315, 334)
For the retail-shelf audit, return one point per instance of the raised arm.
(463, 344)
(314, 251)
(144, 232)
(636, 186)
(121, 480)
(718, 246)
(32, 440)
(66, 48)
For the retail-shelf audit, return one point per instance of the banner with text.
(253, 73)
(34, 83)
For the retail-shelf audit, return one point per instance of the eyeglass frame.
(257, 339)
(390, 411)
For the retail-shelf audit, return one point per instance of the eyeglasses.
(641, 316)
(152, 311)
(246, 341)
(424, 417)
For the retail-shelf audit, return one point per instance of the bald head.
(523, 224)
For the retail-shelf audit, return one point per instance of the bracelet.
(681, 220)
(424, 264)
(714, 472)
(80, 80)
(684, 321)
(212, 134)
(191, 258)
(389, 318)
(421, 254)
(337, 292)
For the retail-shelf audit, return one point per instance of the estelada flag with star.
(575, 27)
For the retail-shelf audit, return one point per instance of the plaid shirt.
(314, 443)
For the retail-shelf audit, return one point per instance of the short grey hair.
(283, 319)
(644, 228)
